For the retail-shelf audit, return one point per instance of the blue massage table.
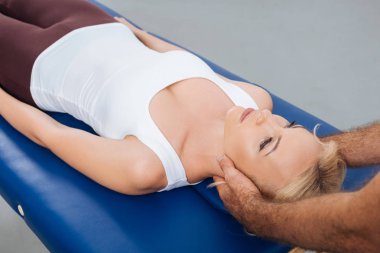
(71, 213)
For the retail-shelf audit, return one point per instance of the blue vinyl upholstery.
(71, 213)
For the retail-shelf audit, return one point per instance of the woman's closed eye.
(265, 142)
(268, 140)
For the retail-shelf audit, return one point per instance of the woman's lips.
(245, 114)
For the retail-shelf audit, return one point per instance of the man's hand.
(339, 222)
(238, 192)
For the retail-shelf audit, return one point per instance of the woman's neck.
(202, 149)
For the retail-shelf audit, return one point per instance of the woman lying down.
(161, 114)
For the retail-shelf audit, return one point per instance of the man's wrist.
(258, 216)
(359, 147)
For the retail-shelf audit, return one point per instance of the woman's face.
(266, 148)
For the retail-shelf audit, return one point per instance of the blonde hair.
(325, 177)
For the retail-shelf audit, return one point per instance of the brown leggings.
(27, 27)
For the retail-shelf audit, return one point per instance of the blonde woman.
(161, 114)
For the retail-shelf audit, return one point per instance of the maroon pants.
(27, 27)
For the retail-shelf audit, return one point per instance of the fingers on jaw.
(225, 162)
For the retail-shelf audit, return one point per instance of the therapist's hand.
(238, 193)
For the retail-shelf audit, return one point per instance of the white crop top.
(104, 76)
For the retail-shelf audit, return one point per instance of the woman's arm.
(125, 166)
(149, 40)
(25, 118)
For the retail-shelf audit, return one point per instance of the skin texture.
(360, 146)
(341, 222)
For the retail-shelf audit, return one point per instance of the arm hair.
(360, 146)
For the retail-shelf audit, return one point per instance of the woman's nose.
(262, 116)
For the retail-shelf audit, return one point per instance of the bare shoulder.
(148, 163)
(262, 97)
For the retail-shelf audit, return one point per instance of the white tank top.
(104, 76)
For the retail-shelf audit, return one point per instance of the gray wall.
(322, 56)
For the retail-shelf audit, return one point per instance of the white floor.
(323, 56)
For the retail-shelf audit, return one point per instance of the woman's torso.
(191, 121)
(174, 94)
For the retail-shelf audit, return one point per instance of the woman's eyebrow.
(275, 146)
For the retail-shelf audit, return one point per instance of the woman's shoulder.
(148, 168)
(261, 96)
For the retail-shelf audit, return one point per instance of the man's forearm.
(342, 222)
(359, 147)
